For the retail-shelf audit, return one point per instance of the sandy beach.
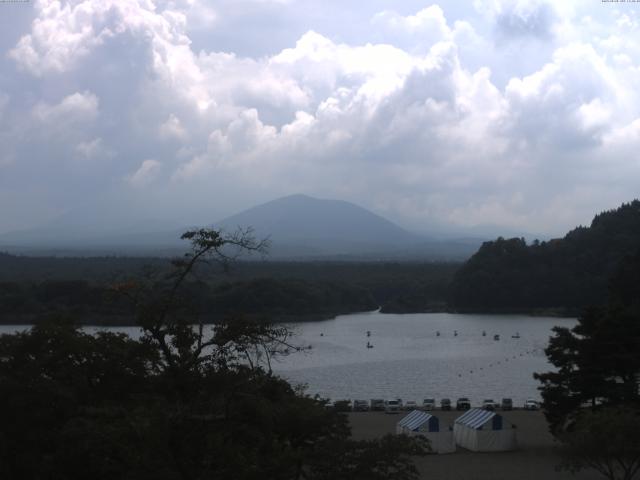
(535, 459)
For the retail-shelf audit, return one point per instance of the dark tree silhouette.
(607, 441)
(597, 361)
(183, 401)
(562, 275)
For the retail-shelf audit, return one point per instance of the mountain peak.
(323, 226)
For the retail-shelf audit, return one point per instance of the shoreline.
(103, 320)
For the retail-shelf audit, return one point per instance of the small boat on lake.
(496, 337)
(517, 335)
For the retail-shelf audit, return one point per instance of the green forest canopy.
(564, 274)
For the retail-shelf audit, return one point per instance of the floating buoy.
(455, 333)
(437, 334)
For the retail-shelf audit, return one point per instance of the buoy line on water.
(531, 351)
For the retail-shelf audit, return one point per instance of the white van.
(392, 406)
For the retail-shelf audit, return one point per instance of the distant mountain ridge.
(564, 275)
(317, 226)
(299, 226)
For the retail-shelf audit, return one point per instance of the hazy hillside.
(300, 222)
(299, 227)
(563, 274)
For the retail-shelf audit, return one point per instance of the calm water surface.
(408, 359)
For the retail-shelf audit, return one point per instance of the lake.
(409, 360)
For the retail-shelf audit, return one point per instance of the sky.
(523, 115)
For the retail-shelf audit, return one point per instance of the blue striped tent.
(428, 426)
(420, 421)
(478, 418)
(484, 431)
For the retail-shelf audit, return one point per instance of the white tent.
(427, 425)
(484, 431)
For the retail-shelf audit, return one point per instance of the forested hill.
(561, 275)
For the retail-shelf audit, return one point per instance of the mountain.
(563, 275)
(299, 227)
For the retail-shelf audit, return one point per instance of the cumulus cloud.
(145, 174)
(520, 18)
(93, 149)
(173, 128)
(427, 116)
(76, 108)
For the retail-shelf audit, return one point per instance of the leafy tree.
(597, 361)
(607, 441)
(563, 275)
(183, 401)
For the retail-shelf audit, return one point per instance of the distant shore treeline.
(280, 291)
(557, 277)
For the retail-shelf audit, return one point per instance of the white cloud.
(430, 20)
(92, 149)
(424, 114)
(173, 128)
(76, 108)
(520, 18)
(147, 172)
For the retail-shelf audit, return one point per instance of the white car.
(429, 404)
(489, 404)
(392, 406)
(531, 404)
(410, 405)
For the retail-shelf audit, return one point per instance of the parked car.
(445, 404)
(360, 406)
(429, 404)
(342, 405)
(507, 404)
(489, 404)
(392, 406)
(377, 404)
(410, 405)
(463, 403)
(531, 404)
